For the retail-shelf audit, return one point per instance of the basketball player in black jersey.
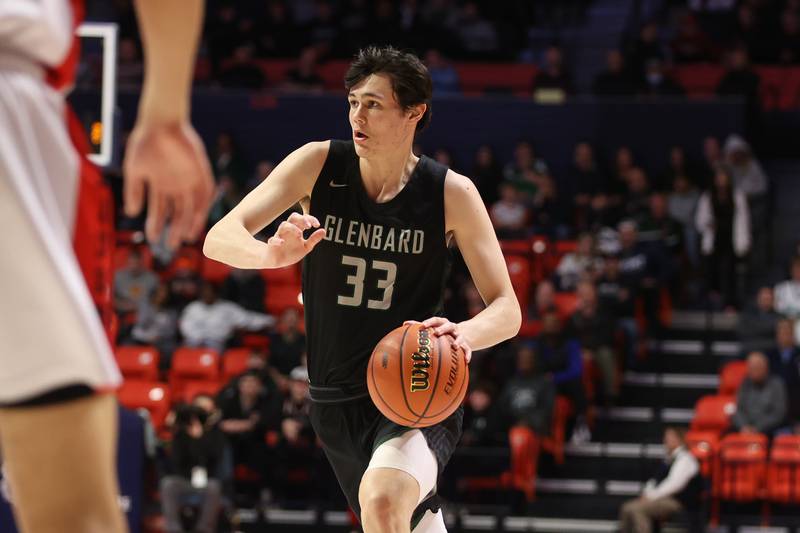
(374, 235)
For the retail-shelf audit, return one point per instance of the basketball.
(415, 378)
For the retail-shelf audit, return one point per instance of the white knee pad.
(410, 453)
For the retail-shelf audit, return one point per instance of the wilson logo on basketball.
(422, 362)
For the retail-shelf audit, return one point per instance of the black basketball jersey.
(379, 264)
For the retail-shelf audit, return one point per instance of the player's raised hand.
(170, 161)
(288, 245)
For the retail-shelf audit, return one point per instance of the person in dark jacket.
(757, 323)
(195, 459)
(675, 487)
(481, 426)
(761, 400)
(528, 397)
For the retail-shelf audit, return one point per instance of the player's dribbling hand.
(288, 245)
(442, 326)
(171, 160)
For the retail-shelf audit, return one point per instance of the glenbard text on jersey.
(373, 236)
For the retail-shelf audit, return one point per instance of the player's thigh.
(403, 466)
(60, 460)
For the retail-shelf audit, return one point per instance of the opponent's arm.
(231, 239)
(164, 152)
(466, 217)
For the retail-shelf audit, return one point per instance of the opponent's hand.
(171, 160)
(442, 326)
(288, 245)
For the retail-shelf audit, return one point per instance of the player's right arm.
(231, 239)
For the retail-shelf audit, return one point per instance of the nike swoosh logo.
(332, 184)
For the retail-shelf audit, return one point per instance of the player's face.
(379, 123)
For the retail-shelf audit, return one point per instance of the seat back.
(783, 471)
(151, 395)
(742, 470)
(713, 412)
(704, 445)
(566, 303)
(731, 377)
(138, 362)
(193, 364)
(234, 362)
(214, 271)
(193, 388)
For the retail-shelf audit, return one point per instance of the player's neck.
(385, 177)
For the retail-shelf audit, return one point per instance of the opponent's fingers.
(156, 215)
(182, 220)
(314, 239)
(133, 190)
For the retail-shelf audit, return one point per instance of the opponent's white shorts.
(410, 453)
(50, 333)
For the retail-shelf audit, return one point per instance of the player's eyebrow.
(377, 96)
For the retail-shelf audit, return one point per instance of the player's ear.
(417, 112)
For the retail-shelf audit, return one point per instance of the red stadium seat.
(566, 303)
(712, 413)
(783, 471)
(554, 442)
(282, 297)
(150, 395)
(214, 271)
(478, 78)
(234, 362)
(138, 362)
(289, 275)
(193, 364)
(121, 254)
(731, 376)
(187, 258)
(704, 446)
(742, 470)
(519, 269)
(193, 388)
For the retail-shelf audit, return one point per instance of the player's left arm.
(466, 217)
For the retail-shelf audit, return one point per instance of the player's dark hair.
(410, 79)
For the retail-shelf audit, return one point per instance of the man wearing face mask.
(656, 82)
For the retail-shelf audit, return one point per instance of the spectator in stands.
(645, 48)
(287, 347)
(227, 196)
(544, 300)
(277, 35)
(749, 177)
(548, 211)
(245, 287)
(157, 325)
(241, 71)
(249, 411)
(616, 296)
(656, 81)
(196, 455)
(664, 234)
(486, 173)
(444, 157)
(751, 33)
(788, 49)
(682, 206)
(296, 446)
(593, 327)
(481, 427)
(528, 397)
(130, 69)
(586, 179)
(184, 285)
(787, 293)
(477, 35)
(712, 160)
(223, 35)
(262, 171)
(509, 214)
(578, 265)
(784, 354)
(211, 322)
(622, 166)
(691, 44)
(227, 160)
(615, 80)
(561, 359)
(723, 221)
(552, 83)
(675, 487)
(525, 170)
(304, 77)
(443, 75)
(322, 31)
(134, 284)
(642, 271)
(761, 401)
(678, 165)
(637, 194)
(741, 80)
(757, 323)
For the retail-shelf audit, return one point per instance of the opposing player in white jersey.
(57, 420)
